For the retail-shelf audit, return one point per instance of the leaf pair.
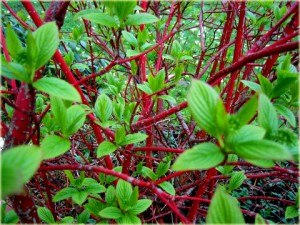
(41, 45)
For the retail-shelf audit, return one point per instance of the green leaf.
(31, 55)
(85, 12)
(123, 190)
(245, 133)
(83, 217)
(18, 165)
(58, 88)
(80, 66)
(79, 197)
(111, 213)
(110, 178)
(227, 169)
(67, 220)
(101, 18)
(267, 116)
(131, 52)
(105, 148)
(141, 206)
(130, 38)
(145, 88)
(168, 98)
(59, 111)
(176, 50)
(130, 219)
(283, 85)
(124, 8)
(147, 172)
(262, 163)
(248, 110)
(259, 220)
(9, 217)
(178, 72)
(95, 188)
(64, 193)
(162, 168)
(103, 107)
(160, 80)
(286, 113)
(202, 100)
(262, 149)
(266, 85)
(45, 215)
(168, 187)
(13, 43)
(236, 180)
(200, 157)
(74, 120)
(14, 71)
(134, 196)
(94, 206)
(252, 85)
(140, 18)
(47, 40)
(120, 135)
(110, 195)
(224, 209)
(291, 212)
(133, 138)
(53, 146)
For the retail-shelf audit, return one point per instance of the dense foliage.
(149, 112)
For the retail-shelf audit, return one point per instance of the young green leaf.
(105, 148)
(83, 217)
(200, 157)
(14, 45)
(53, 146)
(259, 220)
(67, 220)
(80, 197)
(123, 190)
(266, 85)
(47, 40)
(123, 8)
(178, 72)
(248, 110)
(162, 168)
(111, 213)
(267, 116)
(291, 212)
(133, 138)
(141, 206)
(262, 163)
(74, 120)
(59, 111)
(18, 165)
(176, 50)
(145, 88)
(140, 18)
(45, 215)
(120, 135)
(31, 55)
(129, 219)
(262, 149)
(286, 113)
(58, 88)
(224, 209)
(64, 193)
(103, 107)
(236, 180)
(95, 188)
(14, 71)
(134, 196)
(130, 38)
(168, 187)
(203, 100)
(101, 18)
(252, 85)
(168, 98)
(110, 196)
